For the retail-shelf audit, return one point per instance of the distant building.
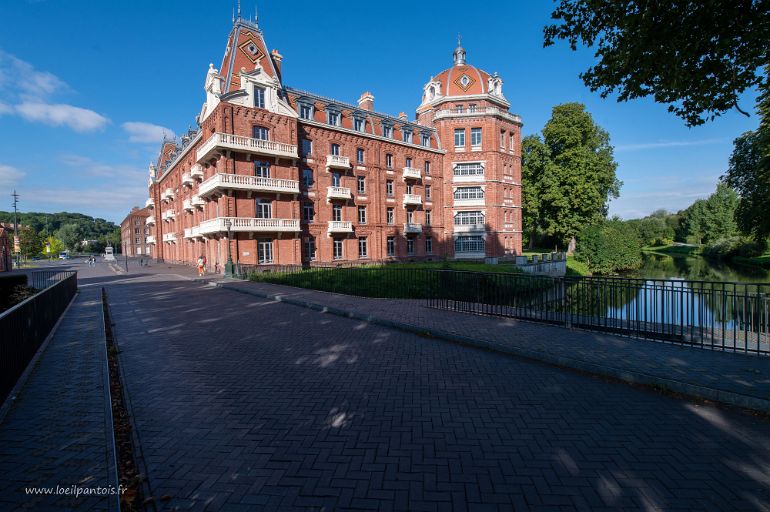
(277, 175)
(6, 254)
(134, 233)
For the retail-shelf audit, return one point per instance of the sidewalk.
(58, 432)
(735, 379)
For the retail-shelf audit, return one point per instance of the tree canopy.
(568, 175)
(697, 57)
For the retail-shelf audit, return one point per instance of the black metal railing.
(716, 315)
(24, 327)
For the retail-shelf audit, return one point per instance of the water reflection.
(696, 268)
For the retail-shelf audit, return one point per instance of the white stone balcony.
(195, 232)
(411, 227)
(410, 173)
(168, 194)
(168, 215)
(483, 111)
(412, 200)
(224, 141)
(476, 201)
(340, 226)
(220, 182)
(248, 225)
(150, 221)
(338, 193)
(196, 171)
(150, 239)
(337, 162)
(169, 238)
(188, 232)
(198, 201)
(150, 203)
(187, 179)
(187, 205)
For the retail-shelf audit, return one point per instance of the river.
(697, 268)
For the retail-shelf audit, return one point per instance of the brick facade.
(134, 231)
(302, 179)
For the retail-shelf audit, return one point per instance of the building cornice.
(370, 136)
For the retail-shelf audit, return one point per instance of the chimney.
(277, 58)
(366, 101)
(403, 116)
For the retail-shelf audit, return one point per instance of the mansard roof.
(246, 47)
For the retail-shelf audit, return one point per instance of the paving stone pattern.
(243, 403)
(58, 432)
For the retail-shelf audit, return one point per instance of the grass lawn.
(762, 261)
(674, 249)
(470, 266)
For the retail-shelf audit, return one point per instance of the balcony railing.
(444, 113)
(168, 215)
(220, 141)
(187, 205)
(188, 232)
(338, 193)
(221, 181)
(198, 201)
(150, 203)
(472, 201)
(248, 225)
(337, 162)
(187, 179)
(150, 239)
(340, 226)
(149, 221)
(410, 173)
(469, 228)
(168, 194)
(412, 200)
(411, 227)
(169, 238)
(196, 171)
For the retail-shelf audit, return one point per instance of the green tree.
(608, 247)
(571, 173)
(56, 247)
(29, 242)
(71, 234)
(697, 57)
(720, 213)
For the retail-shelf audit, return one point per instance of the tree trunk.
(571, 246)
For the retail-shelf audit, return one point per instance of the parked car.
(64, 255)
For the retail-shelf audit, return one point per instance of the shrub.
(727, 248)
(609, 247)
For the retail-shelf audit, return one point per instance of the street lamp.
(229, 264)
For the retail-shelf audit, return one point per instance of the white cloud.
(146, 133)
(9, 175)
(668, 144)
(118, 173)
(5, 108)
(118, 200)
(79, 119)
(33, 82)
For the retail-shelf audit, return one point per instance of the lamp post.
(229, 264)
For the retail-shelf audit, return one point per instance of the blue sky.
(88, 88)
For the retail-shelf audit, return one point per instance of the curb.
(631, 377)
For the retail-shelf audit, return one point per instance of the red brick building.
(6, 250)
(286, 176)
(135, 232)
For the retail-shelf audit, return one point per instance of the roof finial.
(239, 9)
(233, 14)
(458, 39)
(459, 53)
(256, 14)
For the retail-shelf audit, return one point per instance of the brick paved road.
(245, 404)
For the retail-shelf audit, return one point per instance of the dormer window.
(333, 118)
(426, 140)
(358, 124)
(305, 111)
(259, 97)
(387, 131)
(407, 136)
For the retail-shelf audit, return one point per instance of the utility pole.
(16, 240)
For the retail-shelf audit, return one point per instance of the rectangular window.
(337, 212)
(264, 250)
(362, 214)
(335, 179)
(358, 125)
(264, 209)
(389, 161)
(262, 169)
(459, 137)
(260, 132)
(307, 177)
(335, 149)
(259, 97)
(426, 140)
(512, 142)
(307, 147)
(389, 188)
(305, 111)
(427, 191)
(310, 248)
(469, 193)
(408, 162)
(459, 109)
(334, 118)
(407, 136)
(387, 131)
(428, 245)
(428, 216)
(469, 169)
(426, 167)
(362, 253)
(475, 136)
(409, 188)
(390, 246)
(469, 244)
(360, 155)
(338, 249)
(308, 212)
(361, 185)
(472, 218)
(410, 246)
(410, 216)
(390, 216)
(472, 107)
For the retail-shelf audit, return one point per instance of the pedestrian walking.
(201, 266)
